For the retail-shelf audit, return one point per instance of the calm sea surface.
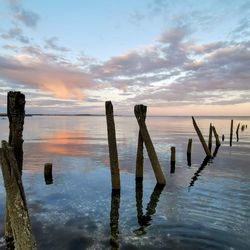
(201, 207)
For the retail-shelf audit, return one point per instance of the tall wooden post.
(205, 147)
(16, 115)
(113, 155)
(138, 110)
(210, 138)
(231, 133)
(139, 157)
(189, 149)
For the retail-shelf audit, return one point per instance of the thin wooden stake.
(189, 149)
(231, 133)
(210, 137)
(205, 147)
(216, 137)
(139, 157)
(138, 110)
(113, 155)
(172, 162)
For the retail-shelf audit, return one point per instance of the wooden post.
(189, 149)
(138, 110)
(205, 147)
(113, 155)
(114, 220)
(210, 138)
(216, 137)
(231, 133)
(223, 137)
(48, 177)
(139, 157)
(237, 131)
(16, 201)
(172, 162)
(16, 115)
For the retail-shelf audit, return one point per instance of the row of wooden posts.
(18, 231)
(144, 138)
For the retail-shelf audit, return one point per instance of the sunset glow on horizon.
(177, 57)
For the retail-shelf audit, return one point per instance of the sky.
(177, 57)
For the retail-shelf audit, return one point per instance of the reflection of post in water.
(139, 197)
(237, 131)
(114, 219)
(144, 220)
(197, 173)
(216, 150)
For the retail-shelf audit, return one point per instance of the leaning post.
(205, 147)
(138, 110)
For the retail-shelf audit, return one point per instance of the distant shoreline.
(176, 116)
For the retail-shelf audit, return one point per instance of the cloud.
(36, 71)
(27, 17)
(52, 44)
(221, 78)
(15, 33)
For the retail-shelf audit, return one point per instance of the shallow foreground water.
(201, 207)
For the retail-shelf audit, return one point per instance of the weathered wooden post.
(205, 147)
(113, 155)
(138, 110)
(114, 220)
(210, 137)
(16, 201)
(223, 137)
(48, 177)
(189, 149)
(16, 115)
(237, 131)
(139, 157)
(172, 162)
(231, 133)
(216, 137)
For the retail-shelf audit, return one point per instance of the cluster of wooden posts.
(18, 233)
(144, 138)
